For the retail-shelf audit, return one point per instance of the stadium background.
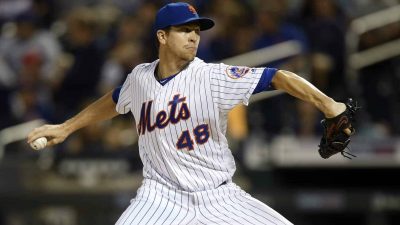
(57, 56)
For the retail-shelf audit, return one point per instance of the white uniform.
(188, 166)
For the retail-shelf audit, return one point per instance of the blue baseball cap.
(174, 14)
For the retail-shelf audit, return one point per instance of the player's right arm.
(102, 109)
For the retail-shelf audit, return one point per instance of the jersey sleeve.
(124, 98)
(233, 85)
(265, 82)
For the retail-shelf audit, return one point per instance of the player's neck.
(167, 68)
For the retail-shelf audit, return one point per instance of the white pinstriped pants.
(228, 204)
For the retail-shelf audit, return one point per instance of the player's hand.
(336, 109)
(337, 132)
(55, 134)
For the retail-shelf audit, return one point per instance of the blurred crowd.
(58, 56)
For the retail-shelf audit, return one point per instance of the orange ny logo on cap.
(192, 9)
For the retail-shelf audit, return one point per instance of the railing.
(264, 56)
(361, 25)
(17, 133)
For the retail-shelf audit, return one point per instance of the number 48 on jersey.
(201, 134)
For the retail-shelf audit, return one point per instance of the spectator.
(232, 35)
(27, 54)
(325, 25)
(272, 28)
(122, 59)
(32, 99)
(78, 81)
(29, 38)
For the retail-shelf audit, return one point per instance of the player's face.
(183, 41)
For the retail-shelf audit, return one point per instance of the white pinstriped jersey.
(182, 124)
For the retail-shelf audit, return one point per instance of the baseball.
(39, 143)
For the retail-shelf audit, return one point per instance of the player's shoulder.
(212, 66)
(199, 63)
(200, 66)
(143, 68)
(215, 69)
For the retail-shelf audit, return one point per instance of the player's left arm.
(304, 90)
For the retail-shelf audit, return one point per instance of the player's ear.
(162, 36)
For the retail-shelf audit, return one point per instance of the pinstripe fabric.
(156, 203)
(182, 144)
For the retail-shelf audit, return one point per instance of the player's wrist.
(68, 127)
(333, 109)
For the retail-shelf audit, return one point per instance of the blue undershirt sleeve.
(265, 81)
(115, 94)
